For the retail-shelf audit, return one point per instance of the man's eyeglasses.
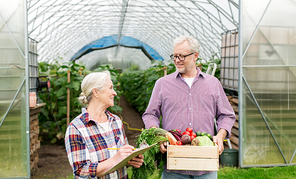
(180, 57)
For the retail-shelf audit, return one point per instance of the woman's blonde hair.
(93, 80)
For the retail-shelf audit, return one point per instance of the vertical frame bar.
(27, 89)
(240, 90)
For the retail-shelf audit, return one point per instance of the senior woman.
(93, 131)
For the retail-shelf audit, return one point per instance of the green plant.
(53, 116)
(137, 86)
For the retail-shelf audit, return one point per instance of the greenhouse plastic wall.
(267, 87)
(14, 106)
(229, 60)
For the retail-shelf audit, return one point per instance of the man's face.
(186, 66)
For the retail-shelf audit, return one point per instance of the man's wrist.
(222, 134)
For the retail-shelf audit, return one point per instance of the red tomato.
(193, 134)
(192, 137)
(179, 143)
(186, 132)
(189, 129)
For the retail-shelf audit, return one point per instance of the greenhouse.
(252, 44)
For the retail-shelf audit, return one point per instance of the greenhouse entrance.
(47, 47)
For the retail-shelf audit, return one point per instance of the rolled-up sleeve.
(78, 154)
(225, 114)
(152, 114)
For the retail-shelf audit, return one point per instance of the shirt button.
(190, 94)
(189, 108)
(189, 124)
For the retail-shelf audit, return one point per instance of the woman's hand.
(137, 161)
(123, 152)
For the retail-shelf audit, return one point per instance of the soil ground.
(53, 162)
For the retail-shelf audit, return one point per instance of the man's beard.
(185, 69)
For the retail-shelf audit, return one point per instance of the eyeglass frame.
(173, 57)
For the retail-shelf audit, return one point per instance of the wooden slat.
(234, 140)
(234, 100)
(235, 131)
(234, 146)
(235, 108)
(36, 109)
(193, 164)
(237, 117)
(192, 151)
(235, 124)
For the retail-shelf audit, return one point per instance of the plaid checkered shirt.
(86, 145)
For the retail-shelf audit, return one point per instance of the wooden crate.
(186, 157)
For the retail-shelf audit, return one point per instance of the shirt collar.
(85, 118)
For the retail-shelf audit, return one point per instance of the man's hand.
(163, 147)
(137, 161)
(218, 139)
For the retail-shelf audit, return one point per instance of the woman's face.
(107, 93)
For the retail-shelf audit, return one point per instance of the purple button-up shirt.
(197, 107)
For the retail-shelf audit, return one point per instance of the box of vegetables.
(192, 151)
(187, 151)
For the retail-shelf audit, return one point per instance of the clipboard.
(123, 162)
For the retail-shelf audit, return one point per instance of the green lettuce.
(205, 141)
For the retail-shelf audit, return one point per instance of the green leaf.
(75, 85)
(63, 110)
(54, 140)
(61, 92)
(60, 135)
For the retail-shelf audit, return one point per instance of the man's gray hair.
(193, 42)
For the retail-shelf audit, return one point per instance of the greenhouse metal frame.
(58, 29)
(267, 84)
